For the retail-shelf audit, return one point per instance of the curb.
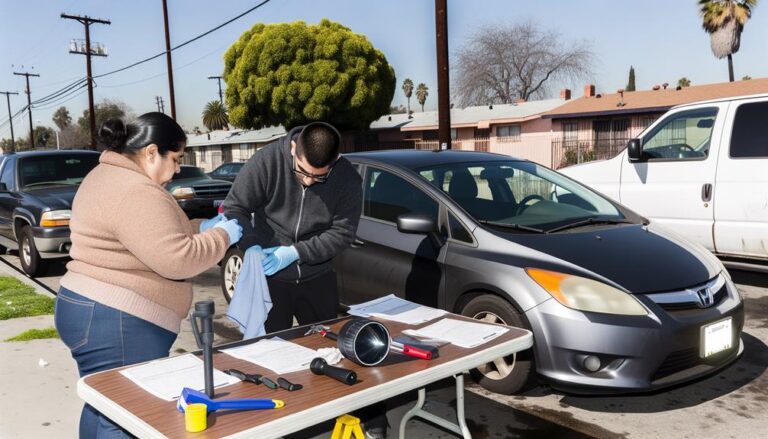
(8, 270)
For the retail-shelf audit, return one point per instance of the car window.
(388, 196)
(458, 232)
(7, 175)
(59, 169)
(682, 136)
(750, 133)
(189, 172)
(518, 193)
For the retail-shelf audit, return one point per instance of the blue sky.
(663, 39)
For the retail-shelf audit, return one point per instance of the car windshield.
(190, 172)
(521, 195)
(55, 170)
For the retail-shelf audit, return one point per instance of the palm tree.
(422, 91)
(724, 21)
(683, 82)
(408, 91)
(215, 116)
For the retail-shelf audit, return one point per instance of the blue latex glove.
(233, 229)
(207, 224)
(278, 258)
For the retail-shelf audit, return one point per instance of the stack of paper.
(396, 309)
(275, 354)
(167, 377)
(459, 332)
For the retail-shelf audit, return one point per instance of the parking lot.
(732, 403)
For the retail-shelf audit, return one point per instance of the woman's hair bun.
(113, 135)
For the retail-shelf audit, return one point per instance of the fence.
(570, 152)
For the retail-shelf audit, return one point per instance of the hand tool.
(320, 367)
(254, 378)
(204, 310)
(287, 385)
(192, 396)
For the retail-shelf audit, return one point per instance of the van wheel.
(506, 375)
(31, 262)
(230, 269)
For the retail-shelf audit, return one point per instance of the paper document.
(396, 309)
(459, 332)
(167, 377)
(275, 354)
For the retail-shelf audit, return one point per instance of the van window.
(388, 196)
(750, 134)
(682, 136)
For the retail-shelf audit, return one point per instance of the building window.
(508, 133)
(454, 133)
(203, 151)
(570, 133)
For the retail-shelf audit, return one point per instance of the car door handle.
(357, 243)
(706, 192)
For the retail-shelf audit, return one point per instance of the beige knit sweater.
(133, 246)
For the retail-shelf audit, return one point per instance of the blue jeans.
(102, 338)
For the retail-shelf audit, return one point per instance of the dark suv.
(36, 193)
(198, 194)
(227, 171)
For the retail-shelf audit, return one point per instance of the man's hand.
(257, 252)
(278, 258)
(207, 224)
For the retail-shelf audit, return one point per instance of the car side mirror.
(421, 224)
(635, 150)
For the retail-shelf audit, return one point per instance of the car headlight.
(182, 193)
(586, 294)
(55, 218)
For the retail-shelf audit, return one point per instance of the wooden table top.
(322, 398)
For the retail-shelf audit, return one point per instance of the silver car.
(615, 303)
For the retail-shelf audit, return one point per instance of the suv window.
(7, 175)
(388, 196)
(749, 131)
(189, 172)
(52, 170)
(682, 136)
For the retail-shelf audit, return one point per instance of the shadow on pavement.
(751, 278)
(743, 375)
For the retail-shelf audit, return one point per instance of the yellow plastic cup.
(196, 417)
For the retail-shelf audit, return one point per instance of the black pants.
(310, 301)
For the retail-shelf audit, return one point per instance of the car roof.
(416, 158)
(51, 152)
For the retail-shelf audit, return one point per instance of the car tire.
(30, 259)
(507, 375)
(230, 269)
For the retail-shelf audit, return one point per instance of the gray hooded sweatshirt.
(320, 220)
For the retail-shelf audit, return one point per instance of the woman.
(124, 295)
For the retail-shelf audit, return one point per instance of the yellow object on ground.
(196, 417)
(346, 426)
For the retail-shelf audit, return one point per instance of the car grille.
(218, 191)
(687, 358)
(689, 299)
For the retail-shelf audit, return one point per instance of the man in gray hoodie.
(305, 200)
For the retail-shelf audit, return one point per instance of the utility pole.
(168, 58)
(443, 92)
(162, 105)
(221, 96)
(29, 107)
(88, 51)
(157, 102)
(10, 117)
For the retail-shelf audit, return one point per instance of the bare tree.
(502, 63)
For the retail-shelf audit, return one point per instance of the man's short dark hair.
(318, 144)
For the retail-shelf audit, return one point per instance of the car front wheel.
(506, 375)
(230, 269)
(31, 262)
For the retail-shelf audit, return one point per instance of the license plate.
(716, 337)
(217, 203)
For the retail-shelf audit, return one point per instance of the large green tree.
(683, 82)
(724, 21)
(293, 73)
(215, 116)
(61, 118)
(631, 81)
(44, 136)
(104, 110)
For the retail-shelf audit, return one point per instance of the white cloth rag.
(251, 301)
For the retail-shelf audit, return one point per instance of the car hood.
(55, 198)
(196, 182)
(638, 258)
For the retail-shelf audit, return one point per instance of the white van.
(701, 170)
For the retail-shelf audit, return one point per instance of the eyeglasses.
(321, 178)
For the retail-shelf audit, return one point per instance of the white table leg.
(417, 411)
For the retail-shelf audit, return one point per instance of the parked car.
(227, 171)
(36, 193)
(700, 170)
(198, 194)
(616, 303)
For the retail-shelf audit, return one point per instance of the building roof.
(480, 116)
(221, 137)
(655, 100)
